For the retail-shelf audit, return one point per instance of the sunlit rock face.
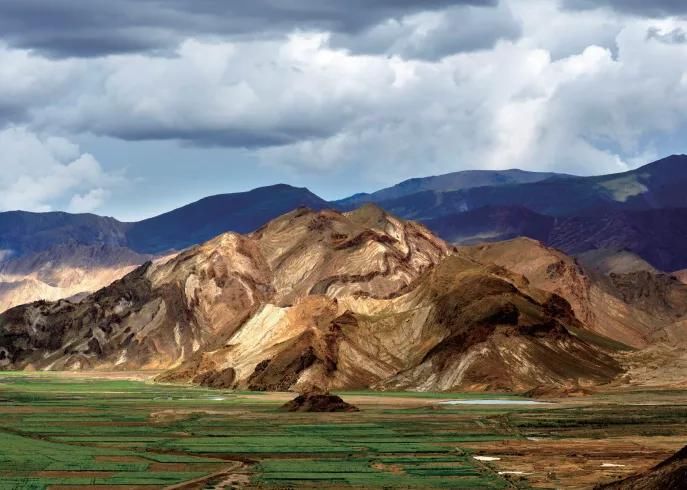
(63, 271)
(614, 293)
(318, 300)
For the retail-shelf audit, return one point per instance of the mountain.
(63, 271)
(455, 181)
(637, 307)
(643, 211)
(656, 236)
(57, 255)
(202, 220)
(491, 224)
(22, 233)
(654, 186)
(681, 275)
(610, 261)
(319, 299)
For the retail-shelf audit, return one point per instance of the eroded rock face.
(636, 306)
(319, 299)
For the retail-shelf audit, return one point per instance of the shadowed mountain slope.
(657, 236)
(654, 186)
(455, 181)
(202, 220)
(491, 224)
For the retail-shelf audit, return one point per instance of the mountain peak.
(197, 222)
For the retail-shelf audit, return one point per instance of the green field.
(60, 432)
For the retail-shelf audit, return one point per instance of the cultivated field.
(65, 431)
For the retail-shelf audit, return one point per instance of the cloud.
(650, 8)
(250, 94)
(37, 173)
(88, 202)
(435, 34)
(566, 33)
(514, 106)
(399, 91)
(675, 36)
(27, 80)
(65, 28)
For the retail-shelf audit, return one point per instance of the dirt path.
(237, 475)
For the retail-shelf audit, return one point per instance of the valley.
(80, 430)
(472, 350)
(321, 244)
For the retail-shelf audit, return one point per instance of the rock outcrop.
(318, 402)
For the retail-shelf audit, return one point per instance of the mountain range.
(644, 211)
(362, 299)
(58, 255)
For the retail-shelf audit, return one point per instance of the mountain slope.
(454, 181)
(57, 255)
(657, 236)
(317, 299)
(638, 308)
(202, 220)
(63, 271)
(491, 224)
(653, 186)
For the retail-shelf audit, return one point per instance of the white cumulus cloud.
(37, 173)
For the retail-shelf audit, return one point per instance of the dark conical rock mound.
(671, 473)
(318, 402)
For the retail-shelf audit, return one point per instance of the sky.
(134, 107)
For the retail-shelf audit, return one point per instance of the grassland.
(67, 432)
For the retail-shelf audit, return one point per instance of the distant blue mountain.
(654, 186)
(198, 222)
(23, 233)
(455, 181)
(642, 210)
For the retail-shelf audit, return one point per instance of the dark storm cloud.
(230, 137)
(462, 28)
(64, 28)
(651, 8)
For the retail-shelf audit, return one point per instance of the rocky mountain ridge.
(319, 299)
(58, 255)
